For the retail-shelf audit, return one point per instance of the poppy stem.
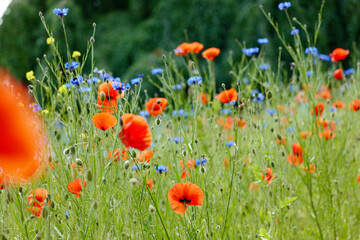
(158, 212)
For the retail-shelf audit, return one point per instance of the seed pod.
(126, 164)
(78, 162)
(151, 208)
(158, 121)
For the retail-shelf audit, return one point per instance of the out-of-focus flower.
(284, 5)
(30, 75)
(294, 31)
(339, 54)
(211, 53)
(76, 54)
(349, 71)
(194, 80)
(250, 51)
(311, 50)
(338, 74)
(263, 41)
(61, 12)
(50, 40)
(156, 71)
(73, 65)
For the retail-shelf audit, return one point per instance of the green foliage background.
(132, 34)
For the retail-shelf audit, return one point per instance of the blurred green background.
(131, 35)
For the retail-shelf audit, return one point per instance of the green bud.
(102, 96)
(89, 176)
(126, 164)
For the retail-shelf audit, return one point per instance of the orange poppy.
(190, 164)
(116, 155)
(111, 95)
(310, 169)
(104, 121)
(338, 104)
(355, 105)
(146, 155)
(327, 134)
(319, 109)
(195, 47)
(241, 123)
(269, 176)
(75, 187)
(211, 53)
(338, 74)
(301, 97)
(253, 187)
(281, 141)
(182, 49)
(204, 98)
(149, 183)
(135, 132)
(339, 54)
(156, 106)
(183, 194)
(227, 96)
(40, 196)
(22, 141)
(296, 158)
(280, 107)
(305, 134)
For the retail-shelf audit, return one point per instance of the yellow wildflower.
(62, 90)
(50, 40)
(45, 112)
(30, 75)
(76, 54)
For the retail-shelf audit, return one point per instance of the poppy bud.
(133, 181)
(102, 96)
(223, 85)
(146, 166)
(183, 153)
(126, 164)
(52, 205)
(269, 95)
(151, 208)
(92, 40)
(45, 212)
(202, 169)
(95, 205)
(78, 162)
(38, 59)
(89, 176)
(69, 109)
(94, 25)
(44, 56)
(158, 121)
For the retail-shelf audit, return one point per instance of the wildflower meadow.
(85, 154)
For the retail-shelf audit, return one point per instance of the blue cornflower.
(284, 5)
(105, 76)
(179, 113)
(136, 168)
(250, 51)
(308, 73)
(257, 96)
(294, 31)
(201, 161)
(225, 111)
(135, 81)
(67, 214)
(272, 111)
(264, 66)
(60, 12)
(35, 107)
(144, 113)
(230, 144)
(263, 41)
(76, 80)
(349, 71)
(176, 87)
(333, 109)
(161, 168)
(156, 71)
(290, 130)
(324, 57)
(118, 86)
(73, 65)
(312, 50)
(178, 139)
(194, 80)
(231, 103)
(117, 79)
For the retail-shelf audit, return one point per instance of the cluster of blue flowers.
(118, 86)
(76, 80)
(257, 96)
(194, 80)
(201, 161)
(73, 65)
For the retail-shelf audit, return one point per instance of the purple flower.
(284, 5)
(60, 12)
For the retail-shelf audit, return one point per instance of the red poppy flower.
(40, 196)
(241, 123)
(327, 134)
(104, 121)
(195, 47)
(339, 54)
(75, 187)
(109, 91)
(269, 176)
(116, 156)
(204, 98)
(338, 74)
(190, 164)
(182, 49)
(146, 155)
(111, 95)
(149, 183)
(156, 106)
(355, 105)
(135, 132)
(183, 194)
(338, 104)
(211, 53)
(319, 109)
(296, 158)
(22, 141)
(227, 96)
(281, 141)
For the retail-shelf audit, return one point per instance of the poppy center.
(185, 201)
